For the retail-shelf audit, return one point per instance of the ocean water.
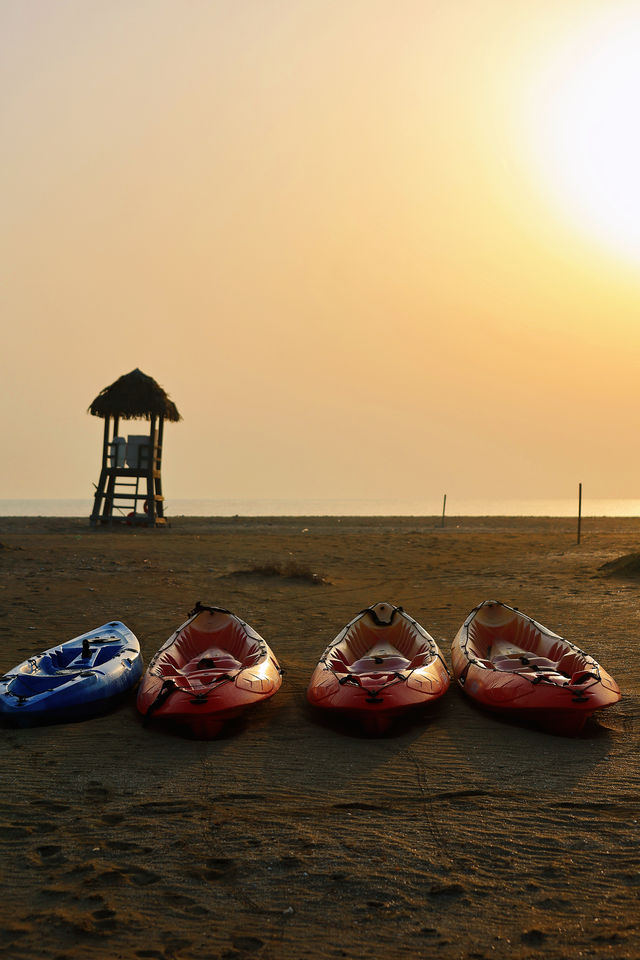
(344, 508)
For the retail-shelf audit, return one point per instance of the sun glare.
(585, 137)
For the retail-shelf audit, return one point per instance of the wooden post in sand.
(579, 509)
(444, 507)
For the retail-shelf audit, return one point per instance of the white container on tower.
(138, 451)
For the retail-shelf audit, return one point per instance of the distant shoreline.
(310, 507)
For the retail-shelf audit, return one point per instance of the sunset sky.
(371, 248)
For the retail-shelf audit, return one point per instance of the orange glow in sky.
(370, 248)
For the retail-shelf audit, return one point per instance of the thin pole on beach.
(579, 509)
(444, 507)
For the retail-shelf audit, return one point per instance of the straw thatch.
(134, 396)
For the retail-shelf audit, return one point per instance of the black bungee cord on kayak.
(376, 619)
(169, 686)
(374, 692)
(166, 690)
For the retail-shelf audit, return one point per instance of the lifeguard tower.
(130, 486)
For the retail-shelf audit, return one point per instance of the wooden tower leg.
(157, 474)
(107, 510)
(151, 462)
(100, 489)
(157, 489)
(97, 500)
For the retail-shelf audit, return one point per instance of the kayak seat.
(390, 663)
(524, 661)
(212, 661)
(533, 668)
(508, 664)
(387, 661)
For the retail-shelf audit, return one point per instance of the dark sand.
(455, 836)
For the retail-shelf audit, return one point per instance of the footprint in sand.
(11, 832)
(50, 854)
(446, 890)
(126, 845)
(533, 936)
(159, 808)
(111, 819)
(10, 934)
(105, 918)
(247, 944)
(52, 806)
(138, 876)
(220, 868)
(54, 893)
(95, 791)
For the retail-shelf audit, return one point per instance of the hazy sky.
(370, 248)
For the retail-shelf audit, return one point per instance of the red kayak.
(506, 661)
(210, 670)
(380, 665)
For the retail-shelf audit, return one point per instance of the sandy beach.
(456, 835)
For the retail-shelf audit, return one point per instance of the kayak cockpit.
(372, 646)
(213, 643)
(500, 638)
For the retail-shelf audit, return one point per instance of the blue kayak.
(75, 680)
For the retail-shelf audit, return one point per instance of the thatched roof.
(134, 396)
